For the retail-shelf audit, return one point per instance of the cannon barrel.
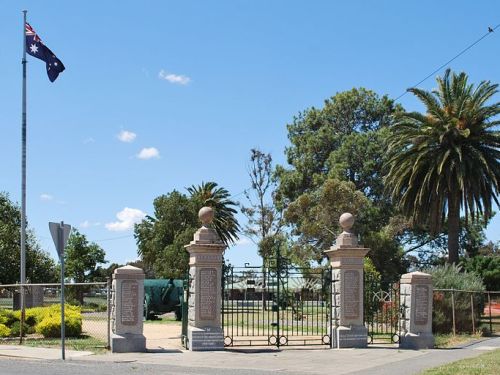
(162, 296)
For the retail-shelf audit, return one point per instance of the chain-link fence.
(464, 311)
(87, 315)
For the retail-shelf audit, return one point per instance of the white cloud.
(88, 224)
(88, 140)
(46, 197)
(126, 136)
(148, 153)
(174, 78)
(126, 219)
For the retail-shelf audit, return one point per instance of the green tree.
(225, 222)
(265, 220)
(81, 259)
(40, 267)
(162, 236)
(340, 140)
(315, 216)
(336, 159)
(103, 273)
(447, 159)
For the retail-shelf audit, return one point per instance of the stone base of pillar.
(416, 341)
(208, 339)
(128, 343)
(351, 337)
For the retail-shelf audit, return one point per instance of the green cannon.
(162, 296)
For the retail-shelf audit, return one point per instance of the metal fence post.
(472, 312)
(453, 310)
(108, 308)
(489, 308)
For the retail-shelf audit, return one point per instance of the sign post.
(60, 234)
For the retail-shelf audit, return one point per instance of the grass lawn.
(450, 340)
(85, 343)
(485, 364)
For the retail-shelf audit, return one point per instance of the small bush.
(43, 320)
(4, 330)
(453, 277)
(51, 326)
(15, 329)
(32, 315)
(7, 317)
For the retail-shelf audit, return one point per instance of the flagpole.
(23, 184)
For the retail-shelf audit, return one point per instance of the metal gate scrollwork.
(276, 304)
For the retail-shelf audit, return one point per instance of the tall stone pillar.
(346, 258)
(127, 310)
(416, 299)
(205, 289)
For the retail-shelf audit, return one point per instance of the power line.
(490, 30)
(114, 238)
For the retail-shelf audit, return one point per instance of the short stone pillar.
(205, 290)
(33, 297)
(416, 294)
(127, 310)
(346, 258)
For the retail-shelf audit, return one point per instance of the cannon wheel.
(147, 313)
(178, 314)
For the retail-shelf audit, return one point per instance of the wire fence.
(87, 315)
(464, 311)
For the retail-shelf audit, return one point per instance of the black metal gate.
(276, 305)
(382, 311)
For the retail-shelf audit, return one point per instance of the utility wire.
(114, 238)
(490, 31)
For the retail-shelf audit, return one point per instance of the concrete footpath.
(378, 360)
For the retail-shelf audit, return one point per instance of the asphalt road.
(15, 360)
(11, 366)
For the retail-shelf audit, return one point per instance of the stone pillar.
(127, 310)
(416, 322)
(205, 289)
(33, 297)
(346, 258)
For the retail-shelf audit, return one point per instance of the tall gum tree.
(335, 158)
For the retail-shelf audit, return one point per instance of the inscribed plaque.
(208, 293)
(129, 302)
(421, 304)
(351, 294)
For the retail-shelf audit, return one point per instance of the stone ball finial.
(346, 221)
(206, 215)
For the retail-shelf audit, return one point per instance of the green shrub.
(50, 324)
(32, 315)
(453, 277)
(8, 317)
(15, 329)
(43, 320)
(488, 267)
(4, 330)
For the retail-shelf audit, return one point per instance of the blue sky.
(191, 86)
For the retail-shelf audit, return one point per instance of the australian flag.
(36, 48)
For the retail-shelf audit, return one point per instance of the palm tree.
(225, 223)
(447, 160)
